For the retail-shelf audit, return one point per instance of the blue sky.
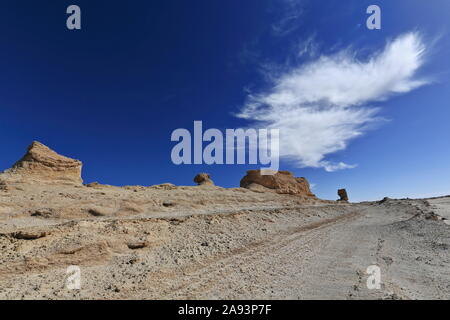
(112, 93)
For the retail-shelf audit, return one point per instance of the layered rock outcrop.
(42, 165)
(282, 182)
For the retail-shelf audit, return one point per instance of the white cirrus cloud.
(288, 21)
(322, 105)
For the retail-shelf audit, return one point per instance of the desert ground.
(208, 242)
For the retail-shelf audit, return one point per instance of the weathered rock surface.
(283, 182)
(42, 165)
(342, 193)
(137, 242)
(203, 179)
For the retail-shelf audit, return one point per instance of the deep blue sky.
(112, 93)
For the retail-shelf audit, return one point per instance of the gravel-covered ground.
(169, 242)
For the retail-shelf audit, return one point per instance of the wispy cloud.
(289, 20)
(322, 105)
(308, 47)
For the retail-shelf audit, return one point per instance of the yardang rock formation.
(41, 165)
(44, 166)
(342, 193)
(282, 182)
(203, 179)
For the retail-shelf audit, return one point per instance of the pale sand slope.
(168, 242)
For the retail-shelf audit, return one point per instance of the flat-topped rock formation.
(282, 182)
(42, 165)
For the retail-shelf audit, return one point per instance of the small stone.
(29, 235)
(203, 179)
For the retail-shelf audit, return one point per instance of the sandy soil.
(167, 242)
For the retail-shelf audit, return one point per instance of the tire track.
(294, 242)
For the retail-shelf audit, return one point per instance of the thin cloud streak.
(289, 21)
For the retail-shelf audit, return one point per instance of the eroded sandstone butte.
(42, 165)
(282, 182)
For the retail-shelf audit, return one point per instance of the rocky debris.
(388, 260)
(29, 235)
(135, 188)
(133, 245)
(282, 182)
(3, 186)
(164, 186)
(203, 179)
(101, 211)
(385, 199)
(168, 204)
(342, 193)
(431, 215)
(41, 165)
(45, 213)
(94, 184)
